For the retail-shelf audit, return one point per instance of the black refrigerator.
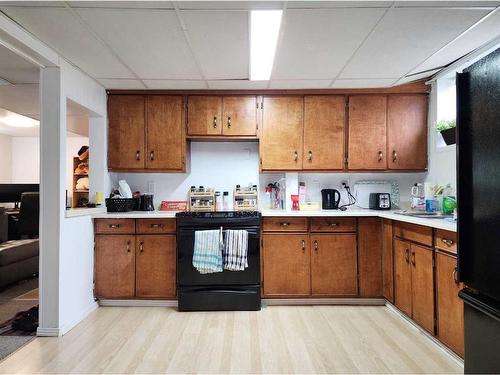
(478, 185)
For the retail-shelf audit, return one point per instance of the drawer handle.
(285, 224)
(229, 121)
(303, 245)
(114, 226)
(128, 246)
(141, 246)
(447, 242)
(333, 224)
(407, 255)
(316, 245)
(455, 275)
(413, 258)
(156, 225)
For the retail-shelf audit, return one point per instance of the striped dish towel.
(236, 250)
(207, 254)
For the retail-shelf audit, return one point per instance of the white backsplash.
(222, 165)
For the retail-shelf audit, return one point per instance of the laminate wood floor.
(278, 339)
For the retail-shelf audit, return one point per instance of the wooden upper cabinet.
(286, 265)
(407, 132)
(155, 266)
(166, 141)
(334, 264)
(402, 276)
(281, 137)
(367, 132)
(422, 284)
(324, 123)
(126, 129)
(205, 115)
(239, 115)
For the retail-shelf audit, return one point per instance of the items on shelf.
(275, 195)
(81, 183)
(201, 199)
(245, 199)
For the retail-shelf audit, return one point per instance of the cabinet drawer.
(333, 224)
(155, 226)
(446, 241)
(412, 232)
(115, 226)
(280, 224)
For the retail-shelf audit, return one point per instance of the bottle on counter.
(302, 192)
(218, 201)
(225, 201)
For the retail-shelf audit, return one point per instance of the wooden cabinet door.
(204, 115)
(114, 266)
(422, 286)
(239, 115)
(165, 133)
(286, 265)
(367, 132)
(450, 308)
(387, 260)
(155, 266)
(126, 132)
(407, 132)
(334, 264)
(370, 256)
(281, 140)
(402, 276)
(324, 123)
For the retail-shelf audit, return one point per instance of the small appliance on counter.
(147, 202)
(363, 190)
(330, 199)
(380, 201)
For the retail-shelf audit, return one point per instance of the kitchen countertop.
(351, 212)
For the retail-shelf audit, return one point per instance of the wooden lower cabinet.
(155, 266)
(387, 261)
(450, 308)
(422, 284)
(286, 264)
(334, 264)
(402, 276)
(370, 256)
(115, 266)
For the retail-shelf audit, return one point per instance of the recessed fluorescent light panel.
(19, 121)
(264, 30)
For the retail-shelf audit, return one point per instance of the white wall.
(5, 159)
(25, 160)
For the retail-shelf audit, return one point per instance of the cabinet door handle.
(407, 255)
(413, 258)
(394, 156)
(152, 155)
(284, 224)
(310, 156)
(141, 246)
(215, 122)
(137, 155)
(455, 275)
(447, 242)
(380, 156)
(303, 245)
(316, 245)
(228, 121)
(128, 246)
(156, 225)
(296, 156)
(114, 226)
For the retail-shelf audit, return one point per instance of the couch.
(18, 258)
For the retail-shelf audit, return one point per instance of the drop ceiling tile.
(362, 83)
(337, 4)
(405, 37)
(232, 5)
(317, 43)
(165, 84)
(220, 40)
(122, 4)
(300, 84)
(60, 30)
(118, 84)
(416, 77)
(451, 4)
(481, 34)
(150, 42)
(237, 84)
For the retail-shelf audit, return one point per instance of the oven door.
(187, 275)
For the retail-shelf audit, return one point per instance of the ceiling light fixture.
(264, 30)
(19, 121)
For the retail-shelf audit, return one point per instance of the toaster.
(380, 201)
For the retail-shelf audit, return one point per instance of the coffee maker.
(330, 199)
(147, 202)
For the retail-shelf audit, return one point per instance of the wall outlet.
(151, 187)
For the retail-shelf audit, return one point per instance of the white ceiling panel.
(165, 84)
(300, 84)
(122, 4)
(220, 41)
(237, 84)
(448, 4)
(416, 77)
(150, 42)
(337, 4)
(230, 5)
(15, 69)
(481, 34)
(119, 84)
(22, 99)
(317, 43)
(362, 83)
(59, 29)
(405, 37)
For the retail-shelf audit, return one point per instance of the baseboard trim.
(438, 343)
(323, 301)
(137, 303)
(48, 332)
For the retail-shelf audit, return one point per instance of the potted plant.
(447, 130)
